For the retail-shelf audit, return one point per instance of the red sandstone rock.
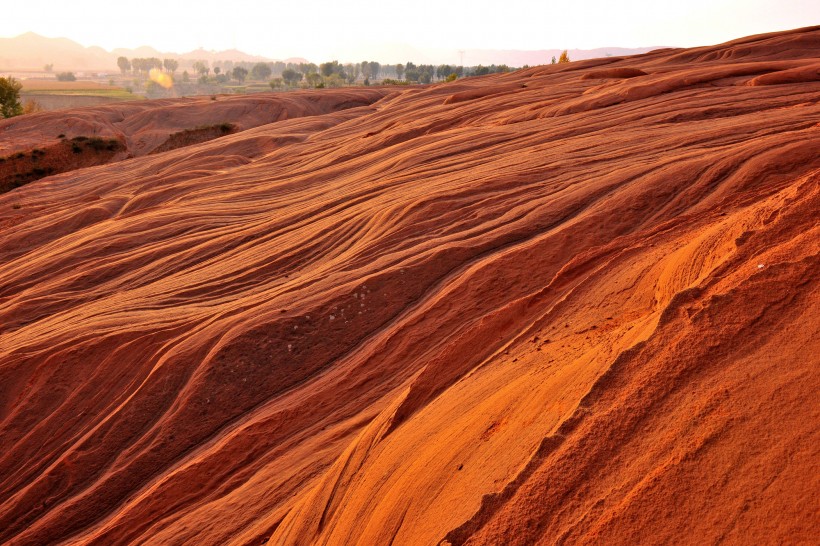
(535, 312)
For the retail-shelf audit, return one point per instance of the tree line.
(281, 74)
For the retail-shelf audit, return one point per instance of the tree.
(49, 68)
(352, 72)
(306, 68)
(564, 58)
(335, 80)
(328, 69)
(31, 106)
(553, 60)
(140, 65)
(217, 70)
(124, 64)
(291, 76)
(10, 97)
(239, 73)
(170, 65)
(260, 71)
(399, 70)
(443, 71)
(314, 79)
(66, 77)
(201, 68)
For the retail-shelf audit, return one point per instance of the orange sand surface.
(578, 303)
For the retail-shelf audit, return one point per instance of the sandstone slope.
(576, 303)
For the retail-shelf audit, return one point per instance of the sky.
(381, 29)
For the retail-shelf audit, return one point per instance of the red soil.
(527, 308)
(21, 168)
(144, 126)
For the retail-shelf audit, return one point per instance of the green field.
(110, 93)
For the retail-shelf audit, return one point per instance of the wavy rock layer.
(572, 303)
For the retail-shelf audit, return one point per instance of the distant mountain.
(227, 55)
(143, 51)
(31, 51)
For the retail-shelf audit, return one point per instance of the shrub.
(100, 144)
(66, 77)
(31, 106)
(10, 97)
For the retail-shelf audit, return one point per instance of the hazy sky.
(354, 29)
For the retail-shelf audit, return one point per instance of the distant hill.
(31, 51)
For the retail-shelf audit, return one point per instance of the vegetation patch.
(21, 168)
(196, 135)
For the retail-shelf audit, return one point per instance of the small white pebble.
(760, 266)
(290, 347)
(332, 317)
